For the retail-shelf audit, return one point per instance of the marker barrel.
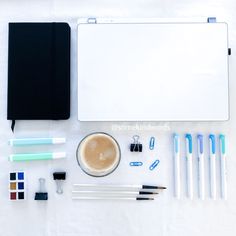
(37, 156)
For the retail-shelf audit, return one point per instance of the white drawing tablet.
(153, 72)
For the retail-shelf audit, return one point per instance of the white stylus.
(223, 171)
(189, 159)
(212, 166)
(177, 165)
(201, 182)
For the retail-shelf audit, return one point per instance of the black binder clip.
(41, 195)
(136, 146)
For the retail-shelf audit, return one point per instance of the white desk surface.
(60, 216)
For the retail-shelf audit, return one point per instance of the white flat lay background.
(60, 216)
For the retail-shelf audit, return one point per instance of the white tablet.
(153, 71)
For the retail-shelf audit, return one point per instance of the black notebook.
(38, 71)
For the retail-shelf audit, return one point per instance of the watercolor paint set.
(17, 186)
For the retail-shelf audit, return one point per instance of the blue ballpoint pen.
(223, 167)
(201, 182)
(189, 159)
(177, 165)
(212, 166)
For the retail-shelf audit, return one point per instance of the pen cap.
(58, 140)
(189, 143)
(59, 155)
(222, 143)
(200, 143)
(176, 143)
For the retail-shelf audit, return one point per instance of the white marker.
(212, 166)
(201, 182)
(223, 167)
(177, 165)
(189, 158)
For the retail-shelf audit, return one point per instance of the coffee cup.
(98, 154)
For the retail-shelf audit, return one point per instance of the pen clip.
(200, 143)
(176, 143)
(222, 143)
(213, 143)
(189, 142)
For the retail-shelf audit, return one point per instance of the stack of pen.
(201, 165)
(115, 192)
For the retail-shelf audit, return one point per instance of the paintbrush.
(128, 186)
(112, 192)
(114, 198)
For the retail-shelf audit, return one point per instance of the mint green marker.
(37, 156)
(35, 141)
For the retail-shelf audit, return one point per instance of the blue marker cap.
(200, 138)
(222, 140)
(176, 143)
(213, 142)
(190, 143)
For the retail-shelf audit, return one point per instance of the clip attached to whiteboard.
(211, 20)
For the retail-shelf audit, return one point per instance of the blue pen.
(212, 165)
(223, 167)
(201, 182)
(177, 165)
(189, 158)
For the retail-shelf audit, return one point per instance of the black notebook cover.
(38, 71)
